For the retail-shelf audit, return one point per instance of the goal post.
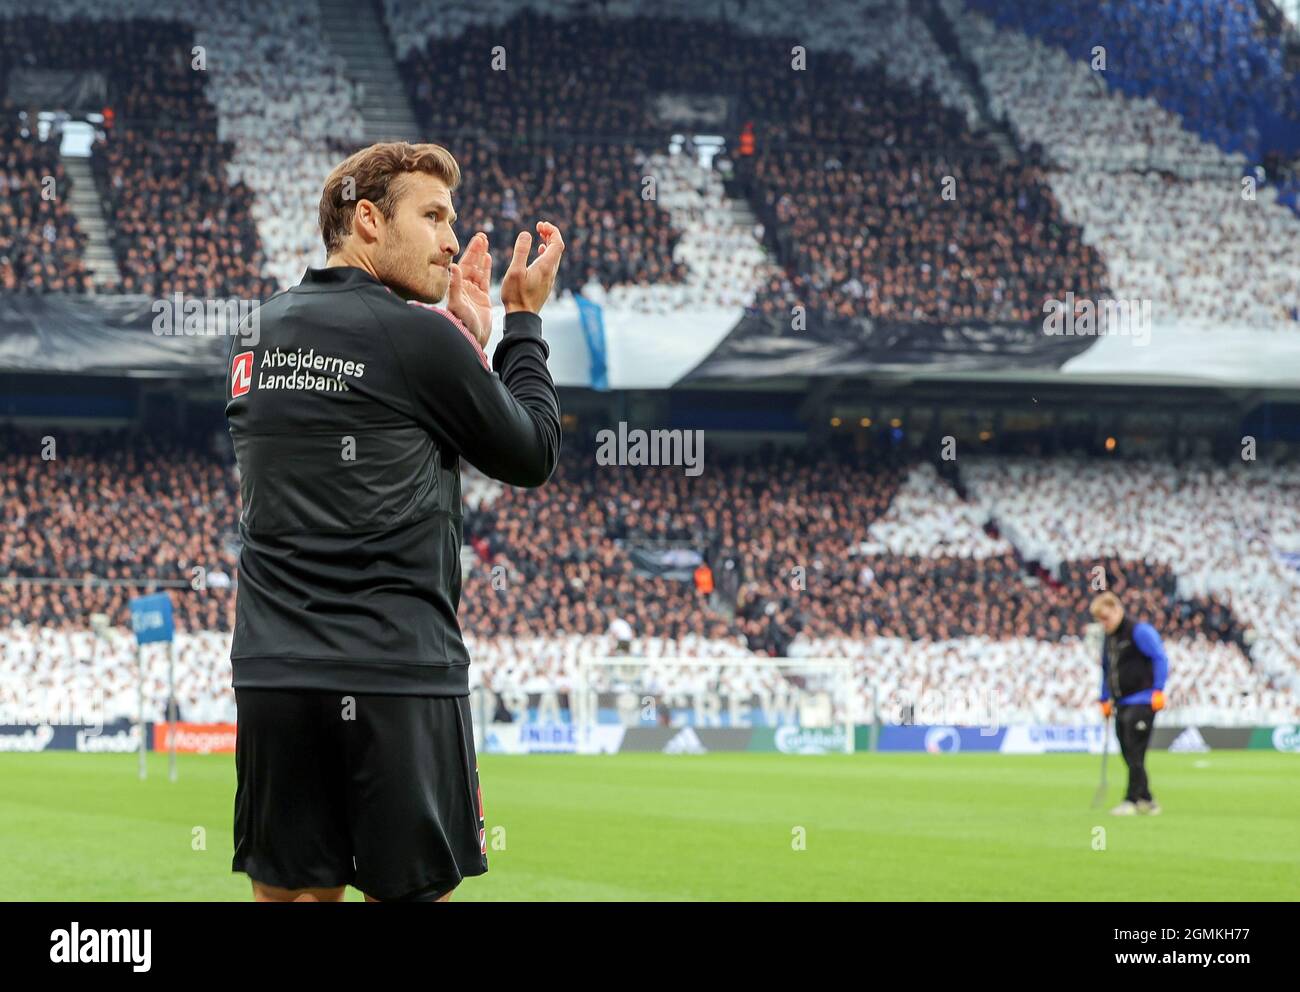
(805, 701)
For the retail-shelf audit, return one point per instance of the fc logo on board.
(241, 374)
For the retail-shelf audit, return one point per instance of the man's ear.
(367, 221)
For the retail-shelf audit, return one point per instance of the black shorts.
(377, 792)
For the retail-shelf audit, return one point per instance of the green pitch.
(740, 826)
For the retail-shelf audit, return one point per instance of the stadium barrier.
(940, 740)
(195, 738)
(122, 737)
(1285, 738)
(119, 737)
(562, 738)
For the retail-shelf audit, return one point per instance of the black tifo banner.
(762, 346)
(67, 332)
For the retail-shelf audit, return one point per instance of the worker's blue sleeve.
(1105, 682)
(1148, 642)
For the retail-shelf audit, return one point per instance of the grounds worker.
(1133, 673)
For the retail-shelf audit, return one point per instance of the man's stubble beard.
(408, 278)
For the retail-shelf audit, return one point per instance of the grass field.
(652, 827)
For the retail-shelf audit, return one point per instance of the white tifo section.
(977, 681)
(476, 489)
(1191, 353)
(884, 32)
(656, 334)
(725, 256)
(46, 672)
(1216, 527)
(643, 351)
(286, 206)
(55, 677)
(1222, 272)
(1059, 101)
(927, 517)
(278, 95)
(1204, 256)
(536, 664)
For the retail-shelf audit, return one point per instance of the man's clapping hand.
(526, 287)
(468, 296)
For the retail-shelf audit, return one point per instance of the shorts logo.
(241, 374)
(482, 833)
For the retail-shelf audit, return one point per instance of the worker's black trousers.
(1133, 727)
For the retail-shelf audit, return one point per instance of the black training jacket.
(349, 409)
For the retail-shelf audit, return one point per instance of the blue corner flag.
(151, 618)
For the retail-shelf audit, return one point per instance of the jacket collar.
(335, 277)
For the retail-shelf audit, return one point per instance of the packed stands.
(876, 562)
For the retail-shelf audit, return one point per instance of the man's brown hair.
(375, 175)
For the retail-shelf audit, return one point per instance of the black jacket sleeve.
(507, 423)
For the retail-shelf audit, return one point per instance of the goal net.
(803, 704)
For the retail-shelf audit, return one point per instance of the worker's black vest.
(1130, 670)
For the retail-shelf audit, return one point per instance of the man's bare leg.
(273, 893)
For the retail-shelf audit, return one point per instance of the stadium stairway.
(742, 215)
(89, 211)
(941, 28)
(355, 32)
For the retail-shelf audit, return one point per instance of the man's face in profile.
(417, 244)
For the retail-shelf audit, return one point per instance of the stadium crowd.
(886, 32)
(721, 258)
(1177, 220)
(1216, 532)
(210, 177)
(92, 522)
(1212, 62)
(862, 237)
(824, 146)
(816, 554)
(210, 174)
(41, 245)
(225, 118)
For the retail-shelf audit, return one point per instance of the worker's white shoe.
(1148, 806)
(1125, 808)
